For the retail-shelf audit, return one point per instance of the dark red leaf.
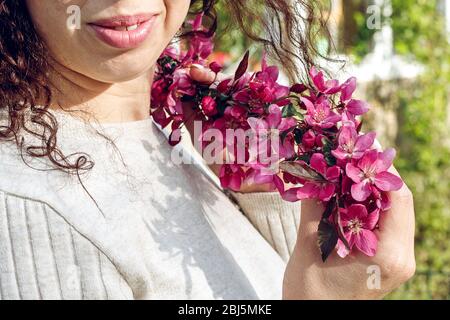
(359, 128)
(301, 170)
(298, 88)
(243, 66)
(328, 238)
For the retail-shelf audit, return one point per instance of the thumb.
(202, 74)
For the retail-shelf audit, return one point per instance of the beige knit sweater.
(159, 230)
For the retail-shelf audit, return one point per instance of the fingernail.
(198, 66)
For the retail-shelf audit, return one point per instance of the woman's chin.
(120, 77)
(120, 71)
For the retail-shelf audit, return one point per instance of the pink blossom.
(231, 176)
(215, 67)
(201, 46)
(183, 83)
(160, 117)
(381, 199)
(358, 227)
(347, 89)
(352, 107)
(320, 114)
(323, 190)
(371, 172)
(261, 89)
(265, 129)
(235, 117)
(259, 177)
(309, 140)
(209, 106)
(322, 85)
(352, 145)
(172, 52)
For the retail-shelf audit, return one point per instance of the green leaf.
(327, 148)
(290, 111)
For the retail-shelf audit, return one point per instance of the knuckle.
(399, 268)
(407, 193)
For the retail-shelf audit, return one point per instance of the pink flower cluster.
(312, 134)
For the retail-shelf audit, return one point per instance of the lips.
(124, 32)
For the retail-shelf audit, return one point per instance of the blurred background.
(400, 52)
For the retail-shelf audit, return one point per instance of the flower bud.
(209, 106)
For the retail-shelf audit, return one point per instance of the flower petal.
(387, 181)
(365, 142)
(385, 159)
(357, 211)
(347, 134)
(273, 72)
(327, 191)
(371, 220)
(366, 241)
(286, 124)
(309, 105)
(333, 173)
(361, 191)
(274, 117)
(290, 195)
(357, 107)
(368, 161)
(308, 191)
(353, 173)
(258, 125)
(348, 88)
(340, 154)
(262, 178)
(383, 202)
(235, 182)
(318, 163)
(333, 118)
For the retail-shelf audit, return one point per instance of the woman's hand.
(307, 277)
(205, 75)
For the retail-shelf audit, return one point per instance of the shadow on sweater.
(195, 195)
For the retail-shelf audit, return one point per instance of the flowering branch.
(311, 136)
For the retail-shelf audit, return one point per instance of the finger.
(399, 221)
(202, 74)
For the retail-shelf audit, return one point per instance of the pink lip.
(126, 39)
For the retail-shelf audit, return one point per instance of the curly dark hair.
(286, 28)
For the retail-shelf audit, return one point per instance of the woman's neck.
(121, 102)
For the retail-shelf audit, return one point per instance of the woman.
(91, 205)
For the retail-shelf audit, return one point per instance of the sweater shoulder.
(43, 257)
(25, 178)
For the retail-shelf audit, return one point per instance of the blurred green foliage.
(424, 137)
(230, 38)
(357, 43)
(424, 160)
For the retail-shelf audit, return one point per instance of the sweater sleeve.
(277, 220)
(43, 257)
